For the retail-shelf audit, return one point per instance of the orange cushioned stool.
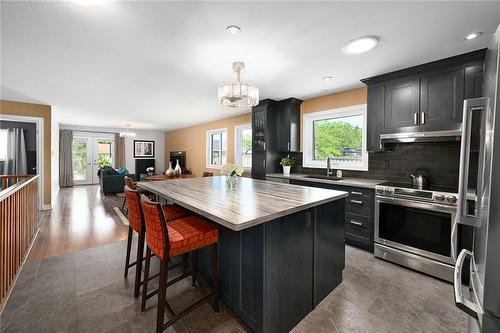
(137, 224)
(167, 240)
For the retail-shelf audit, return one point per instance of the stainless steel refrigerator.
(479, 200)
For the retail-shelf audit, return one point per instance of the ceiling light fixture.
(327, 78)
(473, 35)
(127, 133)
(238, 94)
(361, 45)
(233, 30)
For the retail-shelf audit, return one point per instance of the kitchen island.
(281, 246)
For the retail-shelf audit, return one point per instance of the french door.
(90, 151)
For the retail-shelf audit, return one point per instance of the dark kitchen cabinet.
(401, 104)
(441, 100)
(288, 129)
(259, 165)
(474, 81)
(376, 103)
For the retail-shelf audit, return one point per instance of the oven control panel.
(421, 195)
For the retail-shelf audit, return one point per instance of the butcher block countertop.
(250, 203)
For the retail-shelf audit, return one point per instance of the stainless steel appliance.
(479, 200)
(416, 228)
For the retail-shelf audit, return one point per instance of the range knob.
(451, 198)
(439, 197)
(388, 191)
(380, 190)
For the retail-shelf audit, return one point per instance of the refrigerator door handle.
(463, 304)
(471, 107)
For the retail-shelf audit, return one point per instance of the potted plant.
(287, 162)
(232, 172)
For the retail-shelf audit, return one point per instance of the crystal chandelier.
(238, 94)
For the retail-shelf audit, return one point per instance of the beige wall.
(40, 111)
(192, 139)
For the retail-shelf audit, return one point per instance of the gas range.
(436, 194)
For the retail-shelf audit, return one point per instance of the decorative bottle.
(177, 169)
(169, 171)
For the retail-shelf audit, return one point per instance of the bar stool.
(167, 240)
(136, 223)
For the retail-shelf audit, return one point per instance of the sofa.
(113, 183)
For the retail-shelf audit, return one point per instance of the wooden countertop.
(251, 202)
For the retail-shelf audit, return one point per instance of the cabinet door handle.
(415, 118)
(308, 219)
(264, 146)
(357, 202)
(356, 193)
(288, 146)
(264, 163)
(422, 117)
(356, 222)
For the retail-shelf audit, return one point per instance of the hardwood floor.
(79, 220)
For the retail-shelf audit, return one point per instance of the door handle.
(356, 193)
(422, 117)
(357, 202)
(356, 223)
(288, 147)
(415, 118)
(308, 219)
(463, 304)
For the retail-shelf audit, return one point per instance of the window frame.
(208, 142)
(237, 143)
(309, 119)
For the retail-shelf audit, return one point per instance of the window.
(243, 146)
(3, 144)
(339, 134)
(216, 148)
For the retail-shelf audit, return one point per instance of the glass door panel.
(82, 161)
(103, 155)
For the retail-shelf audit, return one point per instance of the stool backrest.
(156, 227)
(130, 183)
(135, 215)
(207, 174)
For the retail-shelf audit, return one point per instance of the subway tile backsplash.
(399, 160)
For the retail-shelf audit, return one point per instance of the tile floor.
(85, 291)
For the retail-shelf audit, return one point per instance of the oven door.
(425, 229)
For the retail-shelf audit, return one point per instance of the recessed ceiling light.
(233, 30)
(327, 78)
(473, 35)
(361, 45)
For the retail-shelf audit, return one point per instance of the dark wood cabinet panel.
(290, 237)
(401, 104)
(375, 108)
(259, 165)
(441, 100)
(474, 81)
(288, 125)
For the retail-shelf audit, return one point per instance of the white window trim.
(237, 140)
(309, 118)
(208, 147)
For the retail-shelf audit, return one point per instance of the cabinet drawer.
(359, 226)
(360, 205)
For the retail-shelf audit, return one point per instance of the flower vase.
(177, 169)
(169, 171)
(286, 170)
(231, 181)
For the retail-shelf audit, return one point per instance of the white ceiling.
(158, 64)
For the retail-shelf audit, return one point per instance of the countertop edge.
(354, 182)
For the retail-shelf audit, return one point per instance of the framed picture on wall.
(144, 148)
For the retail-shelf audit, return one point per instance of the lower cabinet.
(272, 275)
(359, 212)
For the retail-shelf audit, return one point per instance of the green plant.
(288, 161)
(103, 161)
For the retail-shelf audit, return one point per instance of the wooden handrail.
(18, 227)
(5, 180)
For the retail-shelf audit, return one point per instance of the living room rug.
(115, 203)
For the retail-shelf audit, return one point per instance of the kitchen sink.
(324, 177)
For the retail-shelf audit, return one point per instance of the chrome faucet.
(329, 171)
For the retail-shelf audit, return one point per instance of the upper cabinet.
(288, 125)
(428, 97)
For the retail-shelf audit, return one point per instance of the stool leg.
(162, 294)
(146, 278)
(129, 244)
(194, 264)
(184, 263)
(215, 274)
(138, 265)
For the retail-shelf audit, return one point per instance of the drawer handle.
(357, 202)
(356, 223)
(356, 193)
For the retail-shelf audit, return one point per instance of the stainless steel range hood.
(434, 136)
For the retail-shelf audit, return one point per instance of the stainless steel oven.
(416, 228)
